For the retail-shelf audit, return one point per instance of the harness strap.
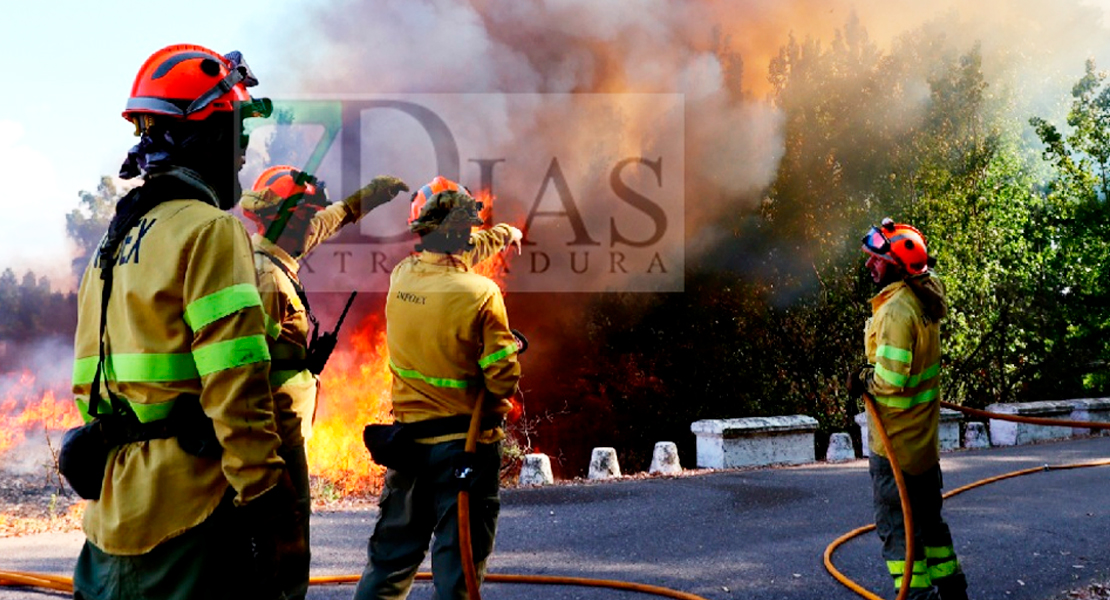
(296, 286)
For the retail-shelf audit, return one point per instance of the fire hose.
(904, 496)
(65, 584)
(470, 571)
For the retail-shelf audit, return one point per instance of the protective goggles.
(876, 241)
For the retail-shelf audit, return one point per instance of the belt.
(431, 428)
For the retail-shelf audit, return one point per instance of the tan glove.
(380, 190)
(515, 235)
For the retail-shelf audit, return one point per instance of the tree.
(1073, 226)
(87, 223)
(30, 310)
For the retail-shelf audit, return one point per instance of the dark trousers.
(421, 504)
(204, 562)
(294, 566)
(936, 571)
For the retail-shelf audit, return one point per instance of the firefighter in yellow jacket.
(188, 496)
(450, 347)
(902, 343)
(310, 219)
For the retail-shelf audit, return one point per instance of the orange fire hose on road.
(65, 584)
(855, 587)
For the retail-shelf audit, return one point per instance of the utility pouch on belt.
(193, 429)
(392, 445)
(389, 445)
(84, 454)
(84, 457)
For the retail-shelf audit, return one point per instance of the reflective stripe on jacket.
(903, 345)
(184, 319)
(449, 339)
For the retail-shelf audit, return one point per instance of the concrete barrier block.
(949, 429)
(1009, 433)
(603, 464)
(664, 459)
(975, 436)
(840, 448)
(536, 470)
(1090, 409)
(861, 421)
(754, 441)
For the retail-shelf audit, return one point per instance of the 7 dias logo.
(595, 181)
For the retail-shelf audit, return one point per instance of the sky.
(68, 74)
(70, 65)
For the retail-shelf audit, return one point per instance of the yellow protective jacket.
(903, 345)
(296, 389)
(449, 340)
(184, 319)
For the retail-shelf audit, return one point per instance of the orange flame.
(354, 392)
(27, 407)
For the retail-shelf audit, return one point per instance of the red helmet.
(191, 82)
(898, 244)
(437, 185)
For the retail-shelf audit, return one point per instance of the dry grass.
(36, 504)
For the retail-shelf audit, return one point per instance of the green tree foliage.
(771, 320)
(29, 310)
(1073, 240)
(87, 223)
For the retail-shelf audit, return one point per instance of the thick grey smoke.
(719, 148)
(714, 54)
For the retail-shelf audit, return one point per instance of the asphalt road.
(751, 534)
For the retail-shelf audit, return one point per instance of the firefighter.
(189, 498)
(902, 343)
(279, 245)
(450, 347)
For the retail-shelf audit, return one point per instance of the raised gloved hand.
(514, 240)
(858, 379)
(380, 190)
(271, 528)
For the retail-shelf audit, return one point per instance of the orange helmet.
(192, 82)
(437, 185)
(285, 181)
(898, 244)
(275, 187)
